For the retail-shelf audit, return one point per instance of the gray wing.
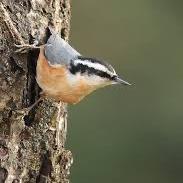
(58, 51)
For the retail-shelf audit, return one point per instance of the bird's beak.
(121, 81)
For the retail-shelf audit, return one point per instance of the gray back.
(58, 51)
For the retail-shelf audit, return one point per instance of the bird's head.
(96, 72)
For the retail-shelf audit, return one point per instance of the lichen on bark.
(31, 145)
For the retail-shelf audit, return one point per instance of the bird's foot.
(26, 110)
(24, 48)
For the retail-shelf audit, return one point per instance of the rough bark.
(31, 145)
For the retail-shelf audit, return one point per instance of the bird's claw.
(25, 48)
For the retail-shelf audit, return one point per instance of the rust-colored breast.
(55, 82)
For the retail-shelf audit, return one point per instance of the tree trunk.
(31, 145)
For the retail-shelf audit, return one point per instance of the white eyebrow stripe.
(95, 65)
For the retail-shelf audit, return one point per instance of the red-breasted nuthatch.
(67, 76)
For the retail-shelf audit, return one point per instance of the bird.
(66, 76)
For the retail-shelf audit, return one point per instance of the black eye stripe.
(93, 60)
(88, 70)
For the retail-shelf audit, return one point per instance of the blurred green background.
(130, 134)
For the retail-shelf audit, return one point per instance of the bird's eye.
(114, 77)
